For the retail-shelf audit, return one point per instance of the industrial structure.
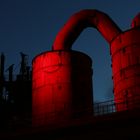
(62, 95)
(15, 90)
(62, 85)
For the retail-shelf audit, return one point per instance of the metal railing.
(120, 105)
(99, 109)
(104, 108)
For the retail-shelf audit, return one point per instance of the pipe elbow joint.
(81, 20)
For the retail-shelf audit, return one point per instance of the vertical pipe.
(10, 70)
(2, 61)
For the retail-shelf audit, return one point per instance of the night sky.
(30, 26)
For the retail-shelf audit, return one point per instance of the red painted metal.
(62, 86)
(136, 21)
(125, 53)
(81, 20)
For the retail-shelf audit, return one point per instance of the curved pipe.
(81, 20)
(136, 21)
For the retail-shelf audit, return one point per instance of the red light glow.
(60, 86)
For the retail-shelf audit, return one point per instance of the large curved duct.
(79, 21)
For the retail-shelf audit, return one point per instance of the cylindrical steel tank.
(125, 54)
(62, 86)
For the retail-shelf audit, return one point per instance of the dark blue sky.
(30, 26)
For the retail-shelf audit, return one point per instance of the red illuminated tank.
(62, 87)
(125, 54)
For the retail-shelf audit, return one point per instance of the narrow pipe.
(81, 20)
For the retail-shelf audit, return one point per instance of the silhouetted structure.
(15, 91)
